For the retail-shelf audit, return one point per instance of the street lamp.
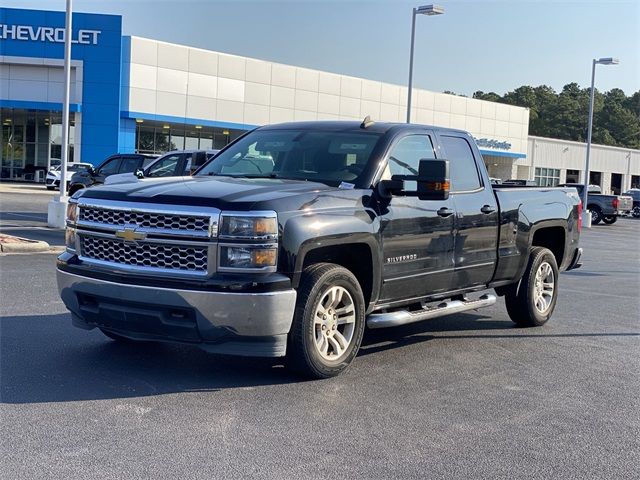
(585, 193)
(57, 208)
(424, 10)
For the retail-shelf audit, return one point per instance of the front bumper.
(250, 324)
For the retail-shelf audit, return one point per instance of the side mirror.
(432, 182)
(139, 173)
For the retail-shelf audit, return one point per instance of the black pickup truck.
(298, 236)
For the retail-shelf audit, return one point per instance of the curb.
(25, 246)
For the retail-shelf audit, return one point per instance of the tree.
(564, 115)
(491, 96)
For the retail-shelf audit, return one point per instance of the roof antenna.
(367, 122)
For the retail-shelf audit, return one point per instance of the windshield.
(76, 167)
(321, 156)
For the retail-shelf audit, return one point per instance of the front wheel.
(531, 302)
(596, 215)
(636, 212)
(328, 323)
(610, 219)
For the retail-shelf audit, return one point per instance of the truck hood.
(220, 192)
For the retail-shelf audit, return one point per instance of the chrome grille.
(160, 221)
(171, 257)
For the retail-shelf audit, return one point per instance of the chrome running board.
(403, 317)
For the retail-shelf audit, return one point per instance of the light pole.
(57, 208)
(585, 193)
(424, 10)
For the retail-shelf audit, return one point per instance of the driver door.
(417, 235)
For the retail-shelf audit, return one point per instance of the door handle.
(487, 209)
(445, 212)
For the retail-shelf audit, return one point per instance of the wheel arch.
(358, 256)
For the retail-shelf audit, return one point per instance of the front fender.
(305, 232)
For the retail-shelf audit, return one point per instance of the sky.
(476, 45)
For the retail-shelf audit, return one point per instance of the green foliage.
(564, 115)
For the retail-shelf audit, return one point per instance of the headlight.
(249, 227)
(72, 212)
(248, 256)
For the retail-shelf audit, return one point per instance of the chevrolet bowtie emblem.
(130, 235)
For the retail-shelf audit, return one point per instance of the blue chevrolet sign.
(37, 37)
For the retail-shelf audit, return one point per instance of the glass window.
(162, 140)
(407, 153)
(146, 139)
(129, 165)
(165, 166)
(547, 177)
(320, 156)
(110, 167)
(463, 171)
(191, 141)
(177, 140)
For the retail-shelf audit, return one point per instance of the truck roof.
(351, 125)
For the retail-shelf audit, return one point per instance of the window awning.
(498, 153)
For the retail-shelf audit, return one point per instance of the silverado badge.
(130, 235)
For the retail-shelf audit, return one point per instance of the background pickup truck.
(603, 208)
(296, 237)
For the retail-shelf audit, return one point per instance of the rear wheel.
(531, 302)
(328, 323)
(610, 219)
(50, 188)
(596, 215)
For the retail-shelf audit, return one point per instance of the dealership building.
(131, 94)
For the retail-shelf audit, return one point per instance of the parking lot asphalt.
(23, 212)
(466, 396)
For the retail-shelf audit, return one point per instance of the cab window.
(463, 170)
(165, 167)
(405, 156)
(129, 165)
(110, 167)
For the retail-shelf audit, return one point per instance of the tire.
(74, 188)
(610, 219)
(116, 337)
(635, 212)
(596, 215)
(527, 303)
(323, 342)
(50, 188)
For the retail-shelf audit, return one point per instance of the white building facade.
(550, 161)
(168, 87)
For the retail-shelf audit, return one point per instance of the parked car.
(52, 180)
(178, 163)
(520, 183)
(295, 237)
(603, 208)
(119, 163)
(634, 193)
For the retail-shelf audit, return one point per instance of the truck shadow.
(44, 359)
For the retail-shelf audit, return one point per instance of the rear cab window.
(463, 168)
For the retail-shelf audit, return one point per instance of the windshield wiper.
(245, 175)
